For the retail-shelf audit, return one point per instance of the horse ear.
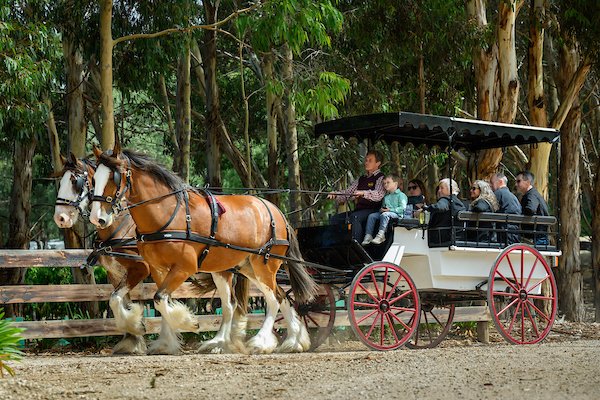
(97, 152)
(63, 160)
(72, 157)
(117, 150)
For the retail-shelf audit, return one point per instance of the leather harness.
(188, 234)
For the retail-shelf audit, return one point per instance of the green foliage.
(9, 340)
(579, 20)
(27, 50)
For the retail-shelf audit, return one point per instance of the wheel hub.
(384, 306)
(522, 295)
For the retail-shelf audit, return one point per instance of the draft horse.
(123, 266)
(181, 232)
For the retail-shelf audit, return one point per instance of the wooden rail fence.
(26, 294)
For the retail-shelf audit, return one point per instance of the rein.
(188, 235)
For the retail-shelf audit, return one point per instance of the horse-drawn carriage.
(407, 297)
(410, 295)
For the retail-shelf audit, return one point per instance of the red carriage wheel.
(317, 316)
(522, 295)
(434, 324)
(383, 306)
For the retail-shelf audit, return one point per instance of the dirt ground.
(565, 365)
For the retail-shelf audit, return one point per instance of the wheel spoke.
(512, 322)
(516, 289)
(531, 273)
(389, 320)
(513, 273)
(375, 283)
(533, 323)
(369, 293)
(400, 321)
(357, 303)
(539, 283)
(507, 307)
(540, 312)
(367, 316)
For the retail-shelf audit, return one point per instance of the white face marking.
(100, 182)
(65, 216)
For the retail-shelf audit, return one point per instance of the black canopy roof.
(431, 130)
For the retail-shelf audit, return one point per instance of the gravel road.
(556, 369)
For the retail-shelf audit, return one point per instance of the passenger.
(440, 212)
(532, 203)
(483, 200)
(416, 190)
(368, 191)
(507, 204)
(393, 207)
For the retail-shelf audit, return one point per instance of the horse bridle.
(115, 202)
(81, 182)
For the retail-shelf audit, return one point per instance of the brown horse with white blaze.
(179, 235)
(123, 273)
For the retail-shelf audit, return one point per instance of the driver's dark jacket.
(441, 217)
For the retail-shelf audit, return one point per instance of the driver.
(367, 190)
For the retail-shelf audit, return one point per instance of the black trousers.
(358, 219)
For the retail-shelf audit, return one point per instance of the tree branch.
(183, 30)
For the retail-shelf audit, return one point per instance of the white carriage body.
(453, 268)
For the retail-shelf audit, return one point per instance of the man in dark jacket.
(532, 203)
(507, 204)
(441, 213)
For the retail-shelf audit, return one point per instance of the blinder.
(115, 201)
(79, 181)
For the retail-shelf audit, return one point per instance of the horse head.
(109, 193)
(73, 192)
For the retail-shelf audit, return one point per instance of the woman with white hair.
(484, 200)
(441, 218)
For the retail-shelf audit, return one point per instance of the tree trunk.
(183, 111)
(106, 72)
(539, 154)
(213, 106)
(569, 279)
(596, 244)
(77, 134)
(76, 109)
(169, 118)
(19, 218)
(487, 78)
(507, 62)
(291, 136)
(273, 102)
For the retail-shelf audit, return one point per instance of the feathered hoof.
(214, 347)
(157, 348)
(290, 346)
(132, 344)
(261, 345)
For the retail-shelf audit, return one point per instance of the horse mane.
(70, 165)
(144, 162)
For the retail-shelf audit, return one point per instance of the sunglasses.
(412, 187)
(473, 188)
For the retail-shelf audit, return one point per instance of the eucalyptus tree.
(577, 37)
(281, 32)
(28, 47)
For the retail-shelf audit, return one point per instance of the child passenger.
(393, 207)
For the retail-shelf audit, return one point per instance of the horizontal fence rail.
(26, 294)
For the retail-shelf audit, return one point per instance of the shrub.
(9, 339)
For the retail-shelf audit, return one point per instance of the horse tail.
(203, 283)
(241, 288)
(303, 285)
